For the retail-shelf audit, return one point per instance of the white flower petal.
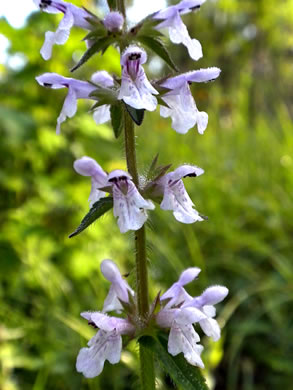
(189, 315)
(202, 121)
(102, 114)
(211, 328)
(46, 50)
(112, 302)
(184, 339)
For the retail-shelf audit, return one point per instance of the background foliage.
(48, 279)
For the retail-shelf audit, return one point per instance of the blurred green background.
(46, 279)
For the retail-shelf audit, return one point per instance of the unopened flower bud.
(113, 21)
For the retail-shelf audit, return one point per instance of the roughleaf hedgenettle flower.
(182, 108)
(182, 337)
(182, 311)
(136, 90)
(176, 293)
(205, 302)
(119, 289)
(87, 166)
(129, 206)
(177, 30)
(73, 16)
(77, 89)
(107, 343)
(175, 197)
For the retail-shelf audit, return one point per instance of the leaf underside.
(117, 119)
(136, 115)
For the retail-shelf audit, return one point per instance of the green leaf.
(157, 46)
(146, 27)
(98, 209)
(136, 115)
(184, 375)
(108, 96)
(100, 45)
(117, 119)
(112, 4)
(97, 33)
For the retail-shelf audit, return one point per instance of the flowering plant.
(124, 101)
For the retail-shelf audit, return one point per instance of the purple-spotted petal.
(183, 338)
(103, 346)
(129, 206)
(136, 90)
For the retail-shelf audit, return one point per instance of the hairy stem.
(147, 373)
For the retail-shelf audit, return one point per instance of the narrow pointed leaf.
(136, 115)
(161, 171)
(111, 4)
(183, 374)
(157, 46)
(153, 166)
(117, 119)
(98, 209)
(100, 45)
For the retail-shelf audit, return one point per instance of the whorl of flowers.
(179, 313)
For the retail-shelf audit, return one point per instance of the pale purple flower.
(176, 293)
(105, 345)
(205, 302)
(182, 337)
(178, 33)
(73, 16)
(182, 311)
(136, 90)
(129, 206)
(113, 21)
(87, 166)
(77, 89)
(119, 290)
(181, 105)
(175, 197)
(103, 79)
